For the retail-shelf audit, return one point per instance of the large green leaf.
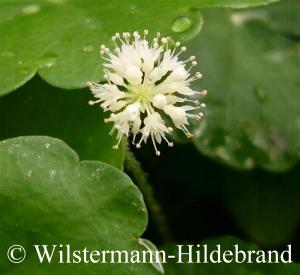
(283, 17)
(227, 243)
(252, 75)
(40, 109)
(60, 39)
(234, 3)
(48, 197)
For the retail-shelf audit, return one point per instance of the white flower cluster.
(145, 83)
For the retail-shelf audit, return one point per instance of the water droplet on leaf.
(249, 163)
(31, 9)
(48, 61)
(222, 153)
(181, 24)
(134, 9)
(260, 94)
(7, 54)
(47, 145)
(88, 48)
(52, 173)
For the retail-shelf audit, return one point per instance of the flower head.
(145, 83)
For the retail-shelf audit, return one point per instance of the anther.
(164, 40)
(198, 75)
(90, 85)
(203, 93)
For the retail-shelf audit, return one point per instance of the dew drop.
(222, 153)
(88, 48)
(7, 54)
(47, 145)
(134, 9)
(52, 173)
(31, 9)
(249, 163)
(181, 24)
(260, 94)
(48, 61)
(93, 23)
(276, 55)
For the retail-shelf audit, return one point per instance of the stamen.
(170, 144)
(198, 75)
(116, 146)
(154, 145)
(133, 139)
(203, 93)
(145, 33)
(92, 102)
(119, 94)
(164, 40)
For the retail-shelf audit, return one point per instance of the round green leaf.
(252, 76)
(235, 3)
(49, 197)
(61, 39)
(40, 109)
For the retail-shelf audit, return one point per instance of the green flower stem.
(134, 169)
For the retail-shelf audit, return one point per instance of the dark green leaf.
(48, 197)
(60, 39)
(39, 109)
(252, 75)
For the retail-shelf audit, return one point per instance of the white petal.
(133, 75)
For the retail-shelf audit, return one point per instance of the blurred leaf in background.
(251, 69)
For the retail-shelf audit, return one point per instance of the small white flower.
(147, 81)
